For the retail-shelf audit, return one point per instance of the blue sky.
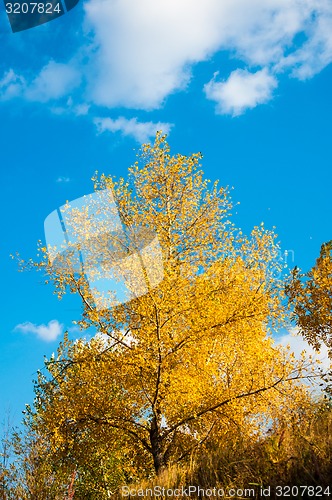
(246, 83)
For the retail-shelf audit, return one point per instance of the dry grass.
(300, 454)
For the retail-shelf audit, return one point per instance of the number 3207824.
(32, 8)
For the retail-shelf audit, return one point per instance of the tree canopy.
(310, 294)
(184, 363)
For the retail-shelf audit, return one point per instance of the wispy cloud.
(48, 333)
(11, 85)
(62, 179)
(54, 81)
(71, 108)
(243, 90)
(140, 131)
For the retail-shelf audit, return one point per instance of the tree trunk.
(157, 446)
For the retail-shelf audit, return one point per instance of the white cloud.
(48, 333)
(241, 91)
(298, 344)
(145, 50)
(316, 52)
(135, 54)
(54, 81)
(140, 131)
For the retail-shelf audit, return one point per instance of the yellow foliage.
(311, 296)
(193, 354)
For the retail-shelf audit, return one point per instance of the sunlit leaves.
(170, 368)
(311, 296)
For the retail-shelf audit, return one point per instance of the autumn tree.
(310, 294)
(172, 367)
